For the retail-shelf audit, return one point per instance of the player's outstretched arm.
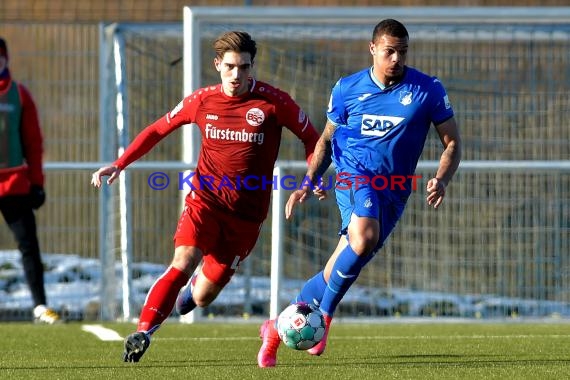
(297, 196)
(448, 163)
(143, 143)
(106, 171)
(319, 164)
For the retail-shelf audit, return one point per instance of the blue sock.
(313, 289)
(185, 302)
(344, 272)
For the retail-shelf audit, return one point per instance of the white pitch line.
(389, 337)
(102, 332)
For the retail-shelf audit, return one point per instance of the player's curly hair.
(236, 41)
(389, 27)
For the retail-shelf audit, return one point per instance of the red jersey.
(240, 143)
(17, 180)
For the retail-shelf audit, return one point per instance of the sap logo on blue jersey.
(375, 125)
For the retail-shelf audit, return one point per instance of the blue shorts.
(365, 201)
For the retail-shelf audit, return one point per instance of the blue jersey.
(382, 132)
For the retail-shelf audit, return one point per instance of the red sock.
(161, 298)
(328, 319)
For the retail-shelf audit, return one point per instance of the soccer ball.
(301, 326)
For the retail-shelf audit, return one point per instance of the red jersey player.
(240, 121)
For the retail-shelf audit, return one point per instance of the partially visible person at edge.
(377, 123)
(22, 180)
(241, 121)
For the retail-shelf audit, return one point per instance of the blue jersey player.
(377, 123)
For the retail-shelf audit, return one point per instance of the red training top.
(240, 142)
(17, 180)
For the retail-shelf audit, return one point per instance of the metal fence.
(59, 64)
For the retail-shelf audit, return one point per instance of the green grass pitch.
(403, 350)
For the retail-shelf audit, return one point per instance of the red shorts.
(224, 239)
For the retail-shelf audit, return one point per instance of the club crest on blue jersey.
(405, 97)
